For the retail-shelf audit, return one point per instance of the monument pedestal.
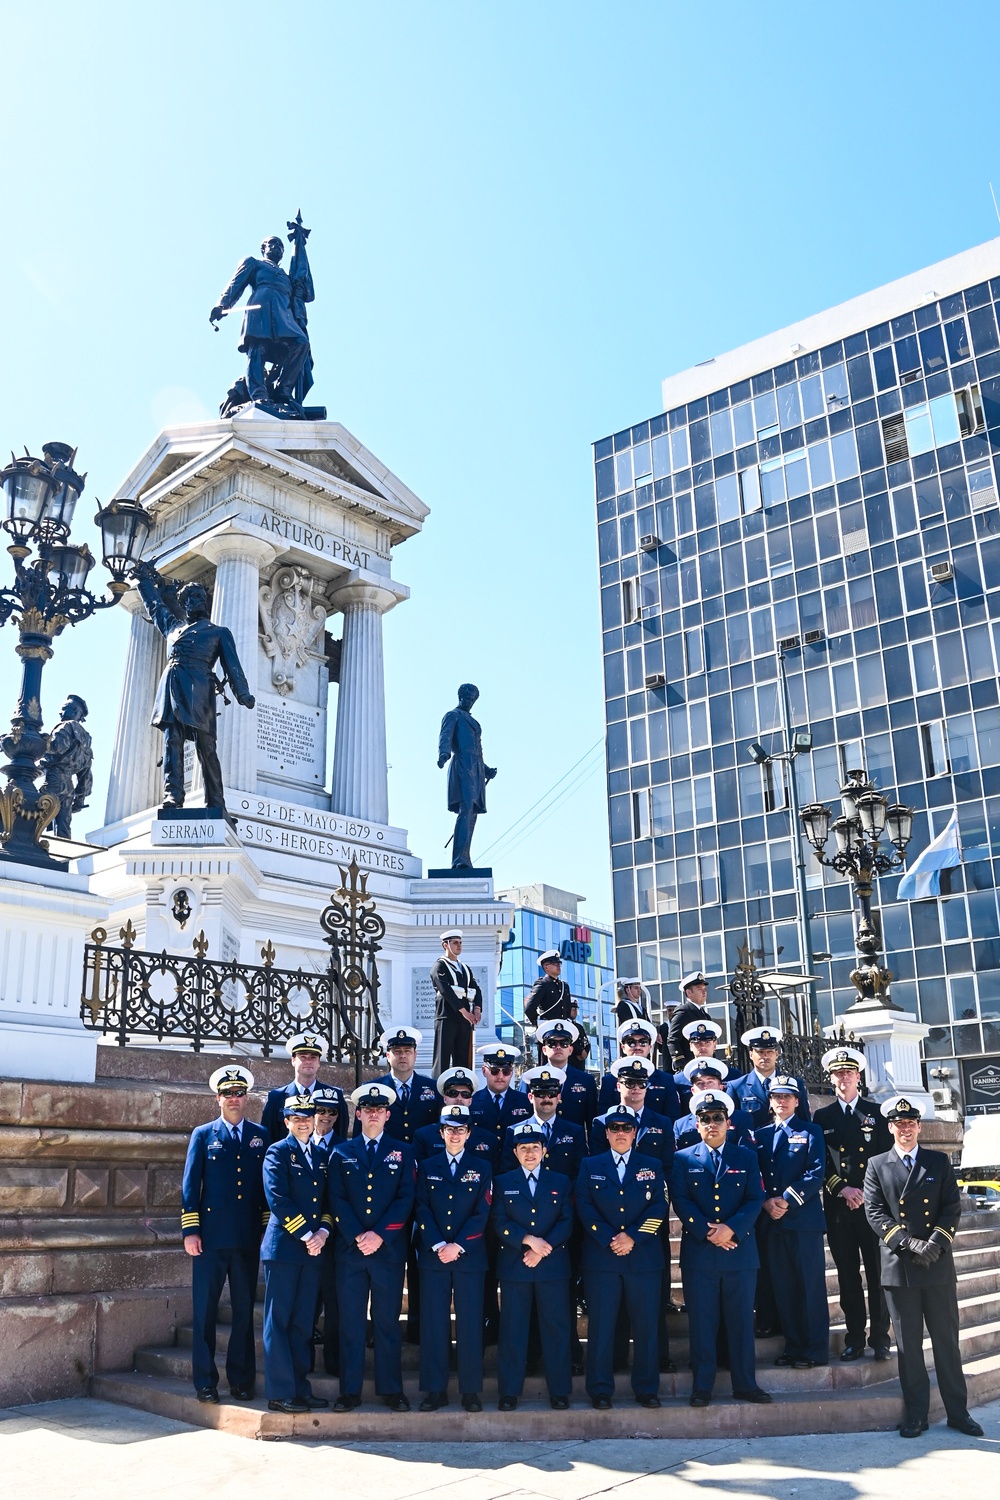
(892, 1040)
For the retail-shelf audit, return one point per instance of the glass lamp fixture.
(815, 819)
(68, 565)
(899, 825)
(872, 811)
(125, 527)
(27, 483)
(67, 487)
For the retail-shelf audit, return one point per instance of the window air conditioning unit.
(942, 572)
(649, 542)
(812, 636)
(655, 680)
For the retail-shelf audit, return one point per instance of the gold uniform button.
(238, 1196)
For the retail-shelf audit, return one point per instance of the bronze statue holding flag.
(275, 336)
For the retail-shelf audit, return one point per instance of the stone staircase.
(857, 1397)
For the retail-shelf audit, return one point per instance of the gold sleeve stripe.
(939, 1229)
(896, 1229)
(651, 1226)
(327, 1219)
(297, 1223)
(189, 1219)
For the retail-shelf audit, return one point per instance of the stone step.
(851, 1409)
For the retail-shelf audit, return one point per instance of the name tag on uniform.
(512, 1192)
(598, 1179)
(434, 1179)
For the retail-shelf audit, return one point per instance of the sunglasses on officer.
(457, 1092)
(499, 1068)
(712, 1117)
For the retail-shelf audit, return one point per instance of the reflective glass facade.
(585, 972)
(813, 496)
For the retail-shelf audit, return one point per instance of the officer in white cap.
(636, 1039)
(223, 1213)
(702, 1073)
(578, 1103)
(750, 1091)
(308, 1050)
(693, 1007)
(565, 1142)
(703, 1038)
(457, 1086)
(632, 1003)
(854, 1131)
(458, 1006)
(913, 1203)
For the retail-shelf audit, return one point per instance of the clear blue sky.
(523, 217)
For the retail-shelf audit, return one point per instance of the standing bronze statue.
(461, 742)
(185, 698)
(68, 762)
(275, 336)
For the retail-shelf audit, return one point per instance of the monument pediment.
(317, 457)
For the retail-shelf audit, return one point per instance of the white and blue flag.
(923, 878)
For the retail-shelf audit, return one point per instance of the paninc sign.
(982, 1086)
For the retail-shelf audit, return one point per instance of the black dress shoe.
(968, 1425)
(757, 1396)
(700, 1398)
(650, 1402)
(851, 1352)
(912, 1429)
(242, 1392)
(292, 1408)
(559, 1403)
(433, 1401)
(507, 1403)
(667, 1367)
(808, 1364)
(601, 1403)
(316, 1403)
(882, 1353)
(208, 1393)
(471, 1402)
(397, 1402)
(766, 1332)
(346, 1403)
(783, 1361)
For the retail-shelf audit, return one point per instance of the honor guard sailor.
(458, 1006)
(550, 998)
(372, 1183)
(453, 1208)
(297, 1229)
(308, 1051)
(533, 1220)
(223, 1212)
(694, 992)
(855, 1131)
(913, 1203)
(632, 1003)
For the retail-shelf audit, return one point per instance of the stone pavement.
(63, 1446)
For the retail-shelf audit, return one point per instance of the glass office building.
(832, 482)
(546, 917)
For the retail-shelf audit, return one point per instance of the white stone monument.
(292, 525)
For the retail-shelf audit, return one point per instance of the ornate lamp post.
(858, 831)
(49, 592)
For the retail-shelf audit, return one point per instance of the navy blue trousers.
(554, 1309)
(709, 1295)
(290, 1289)
(327, 1303)
(210, 1270)
(360, 1277)
(641, 1291)
(798, 1266)
(438, 1284)
(765, 1303)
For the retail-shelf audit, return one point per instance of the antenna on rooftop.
(996, 210)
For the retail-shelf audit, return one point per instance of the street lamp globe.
(68, 565)
(125, 527)
(57, 515)
(815, 819)
(899, 825)
(27, 483)
(872, 811)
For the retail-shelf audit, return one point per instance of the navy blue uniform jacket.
(422, 1108)
(222, 1194)
(637, 1205)
(549, 1214)
(380, 1199)
(516, 1107)
(699, 1200)
(454, 1209)
(655, 1137)
(661, 1095)
(296, 1196)
(273, 1120)
(565, 1151)
(741, 1128)
(793, 1168)
(747, 1092)
(579, 1097)
(482, 1143)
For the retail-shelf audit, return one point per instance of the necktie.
(235, 1133)
(309, 1160)
(454, 1166)
(371, 1148)
(621, 1169)
(498, 1101)
(716, 1161)
(547, 1127)
(532, 1181)
(908, 1163)
(404, 1094)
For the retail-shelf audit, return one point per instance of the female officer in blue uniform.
(792, 1155)
(453, 1207)
(533, 1221)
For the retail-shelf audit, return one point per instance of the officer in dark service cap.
(913, 1203)
(854, 1131)
(533, 1219)
(223, 1212)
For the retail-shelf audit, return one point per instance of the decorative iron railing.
(133, 995)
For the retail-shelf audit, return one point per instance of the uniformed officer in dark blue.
(750, 1090)
(716, 1192)
(417, 1101)
(223, 1212)
(565, 1143)
(457, 1086)
(622, 1204)
(308, 1051)
(556, 1040)
(499, 1102)
(453, 1208)
(702, 1073)
(372, 1181)
(636, 1039)
(702, 1036)
(792, 1156)
(325, 1137)
(533, 1219)
(297, 1230)
(855, 1131)
(913, 1203)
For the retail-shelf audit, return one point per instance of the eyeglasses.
(712, 1119)
(504, 1068)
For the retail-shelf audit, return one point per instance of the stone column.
(135, 783)
(892, 1038)
(238, 560)
(360, 773)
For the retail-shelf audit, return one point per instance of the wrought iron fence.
(132, 995)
